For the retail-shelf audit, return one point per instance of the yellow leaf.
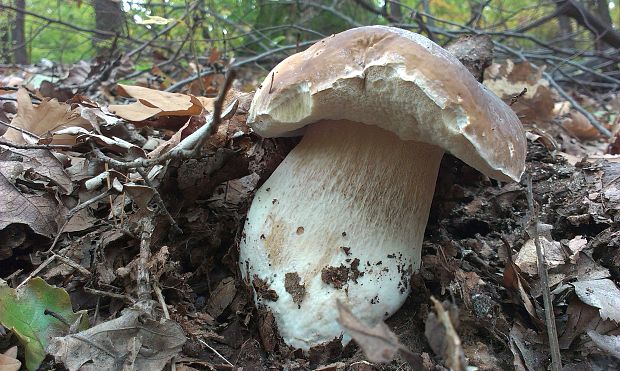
(153, 19)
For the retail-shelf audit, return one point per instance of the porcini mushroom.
(343, 216)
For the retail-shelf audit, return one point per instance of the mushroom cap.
(399, 81)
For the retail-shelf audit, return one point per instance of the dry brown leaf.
(38, 210)
(602, 294)
(575, 245)
(133, 340)
(134, 112)
(443, 339)
(509, 79)
(170, 143)
(527, 261)
(47, 117)
(41, 162)
(151, 102)
(528, 348)
(582, 318)
(518, 287)
(579, 126)
(9, 361)
(378, 342)
(610, 344)
(222, 296)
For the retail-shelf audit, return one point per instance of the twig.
(24, 131)
(36, 271)
(162, 301)
(188, 147)
(73, 265)
(216, 352)
(514, 99)
(59, 317)
(143, 287)
(176, 86)
(66, 24)
(593, 121)
(160, 201)
(562, 92)
(164, 307)
(556, 358)
(109, 294)
(34, 146)
(33, 97)
(74, 211)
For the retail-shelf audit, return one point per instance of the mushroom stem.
(342, 217)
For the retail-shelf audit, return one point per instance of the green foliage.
(54, 41)
(23, 312)
(244, 27)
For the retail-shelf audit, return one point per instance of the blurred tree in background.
(67, 31)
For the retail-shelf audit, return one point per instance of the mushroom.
(343, 216)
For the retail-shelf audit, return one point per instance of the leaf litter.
(477, 251)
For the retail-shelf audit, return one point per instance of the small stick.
(143, 277)
(24, 131)
(160, 201)
(36, 271)
(516, 98)
(160, 298)
(34, 146)
(216, 352)
(164, 307)
(126, 298)
(62, 319)
(73, 265)
(74, 211)
(556, 358)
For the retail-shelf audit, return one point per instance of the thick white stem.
(345, 214)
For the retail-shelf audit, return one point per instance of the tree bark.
(585, 18)
(20, 54)
(396, 12)
(566, 30)
(108, 17)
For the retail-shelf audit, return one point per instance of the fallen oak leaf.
(443, 339)
(38, 210)
(379, 343)
(134, 340)
(602, 294)
(48, 116)
(610, 344)
(39, 161)
(9, 361)
(151, 102)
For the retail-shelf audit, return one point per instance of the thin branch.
(216, 352)
(160, 201)
(556, 358)
(58, 21)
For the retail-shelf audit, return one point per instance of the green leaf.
(23, 311)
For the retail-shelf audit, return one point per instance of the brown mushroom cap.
(401, 82)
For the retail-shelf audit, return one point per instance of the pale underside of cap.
(401, 82)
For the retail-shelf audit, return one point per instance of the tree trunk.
(602, 11)
(585, 18)
(566, 30)
(20, 54)
(396, 11)
(108, 17)
(426, 6)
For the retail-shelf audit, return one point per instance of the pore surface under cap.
(401, 82)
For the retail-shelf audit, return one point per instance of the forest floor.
(479, 254)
